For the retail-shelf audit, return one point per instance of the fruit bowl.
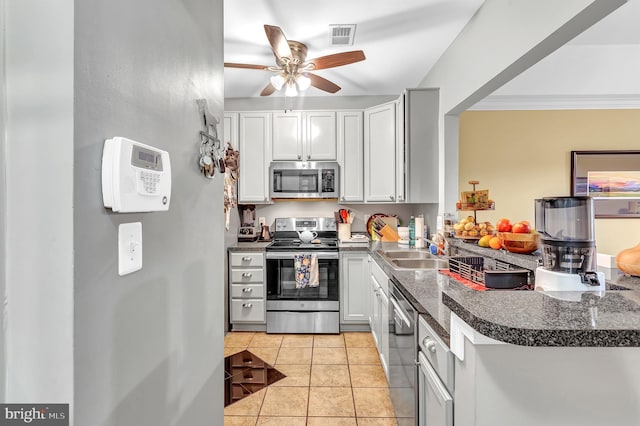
(519, 243)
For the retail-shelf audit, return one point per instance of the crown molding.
(553, 102)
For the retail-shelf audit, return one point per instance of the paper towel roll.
(419, 225)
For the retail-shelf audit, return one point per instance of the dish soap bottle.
(412, 232)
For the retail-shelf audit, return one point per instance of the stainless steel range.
(293, 306)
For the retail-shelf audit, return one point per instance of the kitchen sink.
(408, 254)
(420, 263)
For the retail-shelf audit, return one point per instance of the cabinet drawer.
(239, 291)
(247, 259)
(247, 310)
(380, 276)
(247, 276)
(437, 353)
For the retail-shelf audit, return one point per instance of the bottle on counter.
(412, 232)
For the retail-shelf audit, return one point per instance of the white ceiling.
(402, 40)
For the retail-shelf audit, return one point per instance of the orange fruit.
(495, 244)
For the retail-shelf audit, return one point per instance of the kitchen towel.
(306, 266)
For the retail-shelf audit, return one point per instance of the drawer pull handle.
(247, 259)
(247, 305)
(247, 274)
(247, 290)
(429, 344)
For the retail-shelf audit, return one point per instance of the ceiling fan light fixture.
(278, 81)
(303, 82)
(291, 89)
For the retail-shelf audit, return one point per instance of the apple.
(503, 225)
(521, 228)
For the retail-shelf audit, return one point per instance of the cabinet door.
(255, 146)
(354, 300)
(380, 153)
(384, 332)
(287, 136)
(374, 317)
(435, 405)
(320, 136)
(230, 128)
(400, 150)
(350, 156)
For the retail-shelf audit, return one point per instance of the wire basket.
(469, 267)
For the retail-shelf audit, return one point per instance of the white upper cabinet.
(351, 155)
(380, 153)
(304, 136)
(255, 149)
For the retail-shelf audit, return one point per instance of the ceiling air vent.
(342, 35)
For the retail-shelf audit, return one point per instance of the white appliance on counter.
(567, 245)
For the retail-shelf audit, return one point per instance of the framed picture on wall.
(612, 178)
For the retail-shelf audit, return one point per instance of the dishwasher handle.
(400, 318)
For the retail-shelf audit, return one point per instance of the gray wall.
(148, 346)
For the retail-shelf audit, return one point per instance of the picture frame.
(611, 178)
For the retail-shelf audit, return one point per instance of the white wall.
(39, 203)
(501, 41)
(305, 103)
(3, 204)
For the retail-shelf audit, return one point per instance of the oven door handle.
(290, 255)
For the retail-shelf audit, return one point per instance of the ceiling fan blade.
(322, 83)
(278, 42)
(336, 60)
(268, 90)
(248, 66)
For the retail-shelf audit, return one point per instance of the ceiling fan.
(292, 68)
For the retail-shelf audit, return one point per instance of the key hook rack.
(210, 156)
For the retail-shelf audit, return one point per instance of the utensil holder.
(344, 231)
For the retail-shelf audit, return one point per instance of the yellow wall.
(523, 155)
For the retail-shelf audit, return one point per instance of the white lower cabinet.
(246, 288)
(435, 379)
(354, 288)
(379, 318)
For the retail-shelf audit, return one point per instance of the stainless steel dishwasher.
(403, 366)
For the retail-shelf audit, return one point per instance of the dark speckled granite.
(527, 318)
(244, 246)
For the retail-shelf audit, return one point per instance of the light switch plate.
(129, 247)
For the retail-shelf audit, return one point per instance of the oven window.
(296, 181)
(281, 281)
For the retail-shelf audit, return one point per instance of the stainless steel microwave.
(304, 179)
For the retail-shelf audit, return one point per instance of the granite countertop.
(520, 317)
(249, 246)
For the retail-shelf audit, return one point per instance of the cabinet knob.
(391, 197)
(247, 305)
(308, 157)
(429, 344)
(400, 198)
(247, 259)
(299, 157)
(247, 274)
(247, 290)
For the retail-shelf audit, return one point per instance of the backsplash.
(300, 208)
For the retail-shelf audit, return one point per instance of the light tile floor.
(331, 380)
